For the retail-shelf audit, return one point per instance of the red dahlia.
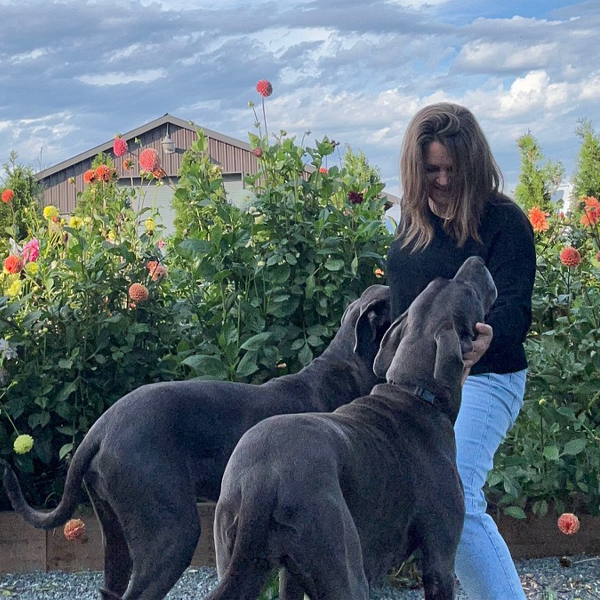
(7, 196)
(89, 176)
(264, 88)
(13, 264)
(570, 257)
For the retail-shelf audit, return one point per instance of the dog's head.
(425, 346)
(365, 321)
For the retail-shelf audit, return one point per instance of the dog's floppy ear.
(389, 344)
(448, 357)
(371, 323)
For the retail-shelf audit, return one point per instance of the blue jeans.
(489, 408)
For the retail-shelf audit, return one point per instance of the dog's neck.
(445, 400)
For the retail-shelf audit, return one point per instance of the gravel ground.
(543, 579)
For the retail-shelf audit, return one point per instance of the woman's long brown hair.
(475, 174)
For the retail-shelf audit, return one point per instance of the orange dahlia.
(89, 176)
(568, 523)
(104, 173)
(74, 529)
(138, 292)
(7, 196)
(591, 214)
(13, 264)
(538, 219)
(570, 257)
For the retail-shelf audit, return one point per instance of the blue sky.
(74, 73)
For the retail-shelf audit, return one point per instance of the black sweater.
(509, 253)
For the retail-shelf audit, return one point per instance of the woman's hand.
(480, 344)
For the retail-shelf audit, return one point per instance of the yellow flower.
(75, 222)
(23, 444)
(111, 235)
(51, 211)
(31, 268)
(150, 225)
(14, 289)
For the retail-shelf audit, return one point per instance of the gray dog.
(338, 499)
(148, 457)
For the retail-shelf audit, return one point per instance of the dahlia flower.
(13, 264)
(568, 523)
(31, 268)
(138, 292)
(149, 160)
(258, 152)
(23, 444)
(538, 219)
(50, 212)
(264, 88)
(591, 215)
(104, 173)
(323, 170)
(355, 197)
(89, 176)
(119, 147)
(74, 529)
(570, 257)
(7, 196)
(31, 250)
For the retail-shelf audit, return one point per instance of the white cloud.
(103, 79)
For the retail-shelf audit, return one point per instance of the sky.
(73, 73)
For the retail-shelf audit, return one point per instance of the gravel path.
(543, 579)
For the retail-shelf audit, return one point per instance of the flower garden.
(98, 303)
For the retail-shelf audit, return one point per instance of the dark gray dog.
(149, 456)
(339, 499)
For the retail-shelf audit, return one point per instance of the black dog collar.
(419, 392)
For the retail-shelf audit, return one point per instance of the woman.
(452, 208)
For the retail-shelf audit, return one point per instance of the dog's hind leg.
(117, 561)
(289, 586)
(162, 539)
(328, 552)
(438, 571)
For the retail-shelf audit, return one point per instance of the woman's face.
(439, 171)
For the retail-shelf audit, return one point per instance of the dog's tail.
(245, 539)
(61, 514)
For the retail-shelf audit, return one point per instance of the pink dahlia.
(119, 147)
(149, 160)
(568, 523)
(258, 152)
(264, 88)
(7, 196)
(31, 250)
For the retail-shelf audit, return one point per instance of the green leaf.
(305, 355)
(310, 286)
(206, 365)
(515, 512)
(247, 366)
(65, 450)
(551, 453)
(575, 446)
(334, 264)
(256, 341)
(193, 248)
(65, 363)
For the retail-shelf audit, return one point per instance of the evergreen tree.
(27, 198)
(586, 181)
(538, 179)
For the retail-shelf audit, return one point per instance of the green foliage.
(248, 294)
(586, 181)
(538, 179)
(552, 455)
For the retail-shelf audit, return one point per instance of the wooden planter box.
(24, 549)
